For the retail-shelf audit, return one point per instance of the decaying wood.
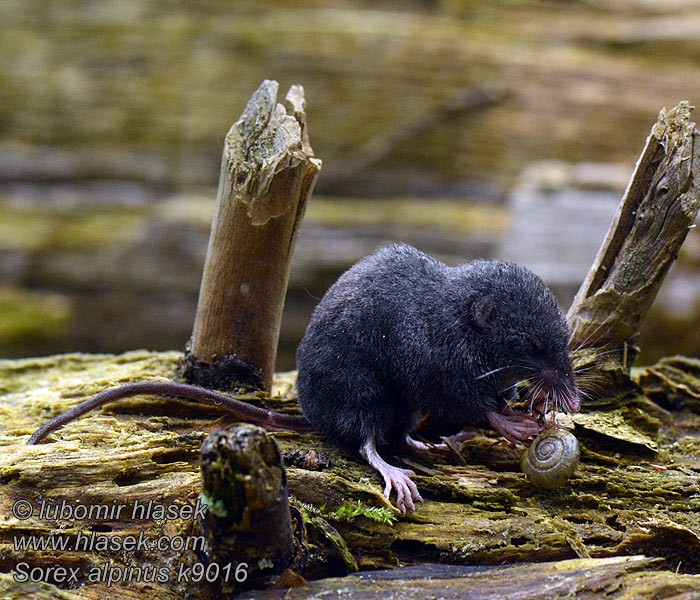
(623, 500)
(636, 491)
(591, 97)
(248, 523)
(584, 579)
(268, 172)
(464, 101)
(658, 208)
(64, 143)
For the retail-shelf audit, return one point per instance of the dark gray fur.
(400, 334)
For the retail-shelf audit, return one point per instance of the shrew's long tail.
(243, 410)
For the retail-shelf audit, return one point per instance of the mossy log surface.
(636, 492)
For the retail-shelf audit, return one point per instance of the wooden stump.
(268, 172)
(247, 523)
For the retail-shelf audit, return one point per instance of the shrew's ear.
(482, 311)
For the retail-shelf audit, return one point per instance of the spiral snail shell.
(551, 458)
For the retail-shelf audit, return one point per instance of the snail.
(551, 458)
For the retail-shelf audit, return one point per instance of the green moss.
(93, 230)
(39, 379)
(38, 227)
(308, 511)
(349, 511)
(216, 507)
(612, 424)
(483, 512)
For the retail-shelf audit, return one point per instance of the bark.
(247, 522)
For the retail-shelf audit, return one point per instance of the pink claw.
(394, 477)
(515, 427)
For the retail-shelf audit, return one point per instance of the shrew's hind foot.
(399, 479)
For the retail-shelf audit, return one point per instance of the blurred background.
(487, 128)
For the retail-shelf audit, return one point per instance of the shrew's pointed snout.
(563, 392)
(550, 378)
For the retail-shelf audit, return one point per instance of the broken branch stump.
(247, 522)
(657, 210)
(268, 172)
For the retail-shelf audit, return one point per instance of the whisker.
(589, 337)
(607, 319)
(583, 370)
(519, 382)
(591, 392)
(536, 391)
(573, 332)
(511, 366)
(531, 403)
(492, 372)
(590, 375)
(600, 354)
(585, 395)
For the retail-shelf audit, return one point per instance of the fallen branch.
(659, 207)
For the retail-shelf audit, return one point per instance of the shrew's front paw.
(516, 427)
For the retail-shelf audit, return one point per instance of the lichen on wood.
(636, 491)
(657, 210)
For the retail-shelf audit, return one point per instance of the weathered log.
(615, 578)
(466, 100)
(132, 155)
(268, 172)
(481, 513)
(590, 98)
(657, 210)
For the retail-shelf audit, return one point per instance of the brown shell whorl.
(551, 458)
